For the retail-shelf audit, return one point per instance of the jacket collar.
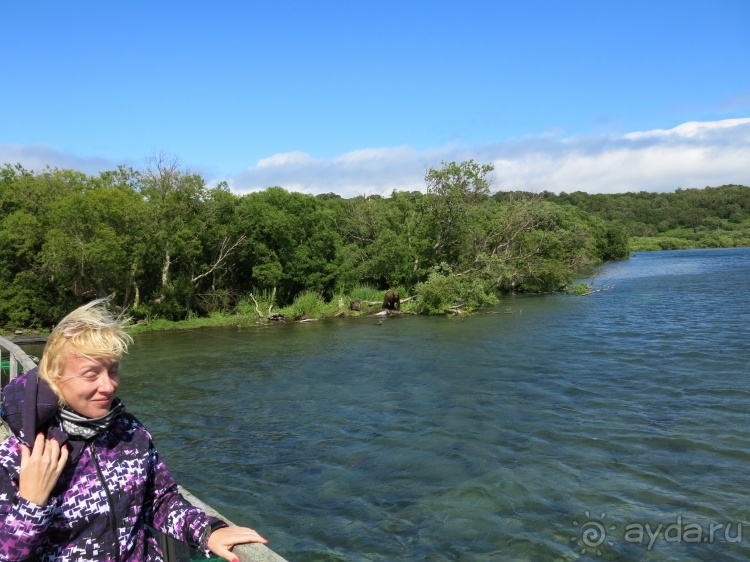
(30, 405)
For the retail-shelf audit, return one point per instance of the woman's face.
(89, 385)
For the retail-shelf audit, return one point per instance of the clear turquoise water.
(557, 428)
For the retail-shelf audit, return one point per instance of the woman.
(80, 479)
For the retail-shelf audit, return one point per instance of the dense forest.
(168, 246)
(713, 217)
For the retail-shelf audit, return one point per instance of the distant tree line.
(167, 245)
(713, 217)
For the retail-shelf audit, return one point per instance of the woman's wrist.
(207, 530)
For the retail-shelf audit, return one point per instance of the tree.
(292, 243)
(452, 191)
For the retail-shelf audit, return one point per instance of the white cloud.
(694, 154)
(692, 129)
(285, 159)
(367, 171)
(37, 158)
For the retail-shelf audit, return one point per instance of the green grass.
(687, 238)
(222, 320)
(307, 305)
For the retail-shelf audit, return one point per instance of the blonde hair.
(90, 330)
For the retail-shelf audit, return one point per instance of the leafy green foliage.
(580, 289)
(713, 217)
(264, 300)
(444, 292)
(366, 293)
(170, 248)
(308, 304)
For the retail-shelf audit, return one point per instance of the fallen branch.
(595, 281)
(387, 312)
(378, 303)
(257, 308)
(591, 292)
(273, 298)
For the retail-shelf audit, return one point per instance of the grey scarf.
(77, 425)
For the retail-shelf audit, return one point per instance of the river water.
(614, 426)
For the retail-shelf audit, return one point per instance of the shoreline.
(24, 339)
(238, 320)
(222, 321)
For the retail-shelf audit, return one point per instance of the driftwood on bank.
(387, 312)
(596, 285)
(270, 306)
(592, 291)
(380, 303)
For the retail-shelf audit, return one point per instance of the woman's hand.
(222, 540)
(40, 469)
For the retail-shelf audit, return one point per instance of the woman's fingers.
(40, 468)
(51, 450)
(63, 459)
(39, 443)
(25, 454)
(222, 540)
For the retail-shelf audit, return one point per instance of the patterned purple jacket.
(113, 489)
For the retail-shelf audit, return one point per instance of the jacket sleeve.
(23, 524)
(172, 514)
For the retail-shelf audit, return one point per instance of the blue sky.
(362, 97)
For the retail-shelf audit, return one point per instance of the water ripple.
(496, 438)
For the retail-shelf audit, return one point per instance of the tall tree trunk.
(165, 270)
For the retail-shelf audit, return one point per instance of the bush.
(140, 312)
(309, 304)
(443, 293)
(580, 288)
(212, 302)
(366, 293)
(650, 244)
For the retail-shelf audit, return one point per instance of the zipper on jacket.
(112, 516)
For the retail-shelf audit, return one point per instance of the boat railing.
(19, 362)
